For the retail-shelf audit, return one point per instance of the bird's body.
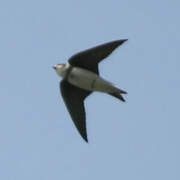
(88, 80)
(81, 78)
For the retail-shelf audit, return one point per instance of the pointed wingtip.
(84, 134)
(124, 40)
(85, 139)
(121, 41)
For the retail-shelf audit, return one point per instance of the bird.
(80, 78)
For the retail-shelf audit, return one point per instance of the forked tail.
(117, 94)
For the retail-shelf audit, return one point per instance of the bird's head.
(60, 69)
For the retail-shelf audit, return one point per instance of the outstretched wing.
(90, 58)
(74, 100)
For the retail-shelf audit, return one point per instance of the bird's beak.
(54, 67)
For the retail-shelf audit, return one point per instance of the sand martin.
(80, 77)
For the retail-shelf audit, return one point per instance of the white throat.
(62, 70)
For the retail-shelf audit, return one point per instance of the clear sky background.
(139, 139)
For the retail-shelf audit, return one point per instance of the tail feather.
(117, 94)
(122, 92)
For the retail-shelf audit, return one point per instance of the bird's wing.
(74, 100)
(90, 58)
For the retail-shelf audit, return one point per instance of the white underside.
(90, 81)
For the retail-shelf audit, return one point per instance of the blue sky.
(135, 140)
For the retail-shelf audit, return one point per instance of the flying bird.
(80, 77)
